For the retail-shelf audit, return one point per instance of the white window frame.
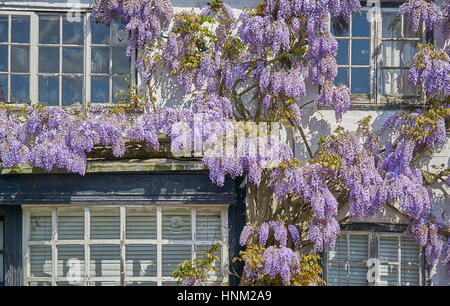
(374, 237)
(123, 242)
(33, 11)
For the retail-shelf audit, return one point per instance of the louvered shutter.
(105, 223)
(70, 264)
(41, 225)
(41, 261)
(140, 260)
(359, 253)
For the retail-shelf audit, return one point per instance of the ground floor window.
(126, 245)
(399, 260)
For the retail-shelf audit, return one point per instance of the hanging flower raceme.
(421, 12)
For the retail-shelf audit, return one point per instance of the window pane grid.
(99, 260)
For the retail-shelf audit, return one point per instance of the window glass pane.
(342, 77)
(360, 80)
(201, 251)
(120, 61)
(119, 33)
(72, 60)
(20, 29)
(99, 89)
(410, 275)
(48, 59)
(3, 28)
(4, 58)
(105, 223)
(395, 83)
(339, 27)
(48, 29)
(359, 248)
(20, 87)
(3, 88)
(172, 255)
(70, 223)
(40, 284)
(73, 33)
(360, 25)
(388, 249)
(388, 275)
(105, 260)
(340, 251)
(140, 260)
(71, 263)
(398, 53)
(408, 32)
(337, 274)
(410, 251)
(118, 84)
(342, 55)
(141, 223)
(176, 223)
(358, 274)
(41, 225)
(360, 52)
(20, 59)
(99, 33)
(209, 225)
(100, 60)
(41, 261)
(392, 25)
(72, 89)
(48, 90)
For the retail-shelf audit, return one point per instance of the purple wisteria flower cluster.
(276, 259)
(421, 12)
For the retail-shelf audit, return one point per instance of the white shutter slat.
(141, 223)
(358, 275)
(388, 249)
(172, 255)
(337, 274)
(176, 224)
(140, 260)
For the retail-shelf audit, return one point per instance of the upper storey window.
(376, 49)
(60, 61)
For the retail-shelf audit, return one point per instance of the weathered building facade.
(131, 221)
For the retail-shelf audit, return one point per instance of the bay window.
(61, 61)
(400, 259)
(126, 245)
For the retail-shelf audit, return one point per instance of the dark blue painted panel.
(109, 188)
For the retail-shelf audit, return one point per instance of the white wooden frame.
(376, 235)
(34, 44)
(123, 242)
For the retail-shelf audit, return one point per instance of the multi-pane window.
(132, 245)
(1, 253)
(354, 41)
(15, 58)
(59, 60)
(399, 260)
(376, 49)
